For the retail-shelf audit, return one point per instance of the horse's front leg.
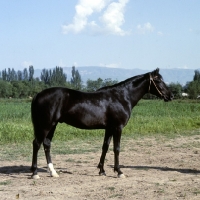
(116, 149)
(105, 147)
(50, 168)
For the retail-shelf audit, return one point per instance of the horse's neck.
(138, 91)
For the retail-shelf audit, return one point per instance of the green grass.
(149, 117)
(157, 117)
(15, 121)
(5, 182)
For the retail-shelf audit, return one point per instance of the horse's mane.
(123, 83)
(134, 80)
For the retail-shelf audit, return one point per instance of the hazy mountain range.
(175, 75)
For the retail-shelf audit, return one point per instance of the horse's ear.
(155, 72)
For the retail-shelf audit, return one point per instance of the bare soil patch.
(155, 168)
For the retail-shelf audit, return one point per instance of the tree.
(37, 87)
(31, 73)
(58, 77)
(25, 74)
(8, 75)
(45, 77)
(4, 75)
(19, 75)
(19, 89)
(54, 78)
(94, 85)
(196, 75)
(5, 89)
(76, 81)
(13, 75)
(109, 82)
(176, 89)
(193, 89)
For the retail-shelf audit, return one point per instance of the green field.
(149, 117)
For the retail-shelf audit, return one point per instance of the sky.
(143, 34)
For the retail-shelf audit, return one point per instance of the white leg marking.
(35, 177)
(52, 171)
(121, 176)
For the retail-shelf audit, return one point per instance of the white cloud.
(196, 31)
(111, 65)
(75, 64)
(184, 67)
(26, 64)
(160, 33)
(84, 9)
(146, 28)
(109, 21)
(113, 17)
(61, 63)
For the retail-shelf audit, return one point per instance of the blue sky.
(143, 34)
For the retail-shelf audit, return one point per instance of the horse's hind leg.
(36, 147)
(40, 135)
(116, 149)
(107, 139)
(47, 147)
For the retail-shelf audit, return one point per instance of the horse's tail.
(33, 112)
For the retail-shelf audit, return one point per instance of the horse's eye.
(157, 80)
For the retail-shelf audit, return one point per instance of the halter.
(151, 79)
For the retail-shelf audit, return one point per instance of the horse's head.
(158, 87)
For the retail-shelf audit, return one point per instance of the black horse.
(108, 108)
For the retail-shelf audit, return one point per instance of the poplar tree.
(76, 81)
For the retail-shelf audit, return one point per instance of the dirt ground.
(155, 168)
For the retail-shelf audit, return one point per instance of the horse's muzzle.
(168, 98)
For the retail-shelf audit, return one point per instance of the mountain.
(175, 75)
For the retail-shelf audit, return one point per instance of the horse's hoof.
(35, 177)
(121, 176)
(102, 174)
(54, 174)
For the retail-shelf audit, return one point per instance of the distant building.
(184, 94)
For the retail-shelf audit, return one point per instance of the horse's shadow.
(26, 170)
(18, 169)
(183, 170)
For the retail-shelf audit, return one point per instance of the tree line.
(22, 84)
(192, 88)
